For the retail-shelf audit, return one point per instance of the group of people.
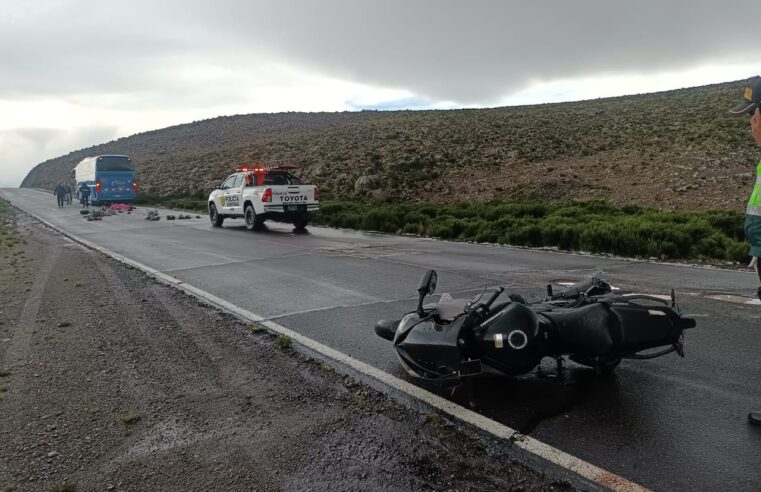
(63, 193)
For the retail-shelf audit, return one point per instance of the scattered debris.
(120, 208)
(95, 215)
(170, 217)
(63, 324)
(153, 215)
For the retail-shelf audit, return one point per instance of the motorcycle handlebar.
(494, 297)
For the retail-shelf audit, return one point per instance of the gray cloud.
(21, 147)
(123, 58)
(469, 52)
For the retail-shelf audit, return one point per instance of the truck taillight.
(97, 186)
(134, 187)
(316, 194)
(267, 195)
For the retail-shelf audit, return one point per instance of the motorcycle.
(455, 340)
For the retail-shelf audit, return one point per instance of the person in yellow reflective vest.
(751, 104)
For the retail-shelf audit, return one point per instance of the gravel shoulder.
(111, 381)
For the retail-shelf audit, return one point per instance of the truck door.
(221, 197)
(233, 197)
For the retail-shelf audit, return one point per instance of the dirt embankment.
(110, 381)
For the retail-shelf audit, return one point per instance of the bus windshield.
(115, 163)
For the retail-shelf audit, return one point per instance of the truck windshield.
(114, 163)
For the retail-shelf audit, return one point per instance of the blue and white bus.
(111, 178)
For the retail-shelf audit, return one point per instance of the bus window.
(115, 163)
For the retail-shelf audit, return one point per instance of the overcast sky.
(76, 73)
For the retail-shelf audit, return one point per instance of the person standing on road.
(751, 104)
(68, 194)
(60, 194)
(84, 195)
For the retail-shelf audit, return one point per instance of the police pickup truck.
(263, 193)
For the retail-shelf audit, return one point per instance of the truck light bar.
(260, 167)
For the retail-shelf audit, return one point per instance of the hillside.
(673, 150)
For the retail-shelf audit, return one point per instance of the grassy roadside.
(8, 234)
(595, 227)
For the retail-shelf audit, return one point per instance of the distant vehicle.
(111, 178)
(264, 192)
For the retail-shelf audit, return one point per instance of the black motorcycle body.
(457, 338)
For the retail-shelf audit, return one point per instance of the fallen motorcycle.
(457, 339)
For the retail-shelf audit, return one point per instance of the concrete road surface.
(667, 423)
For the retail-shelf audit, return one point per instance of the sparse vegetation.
(255, 328)
(284, 343)
(129, 418)
(8, 234)
(64, 487)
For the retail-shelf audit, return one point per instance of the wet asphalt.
(667, 423)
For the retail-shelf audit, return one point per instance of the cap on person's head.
(751, 98)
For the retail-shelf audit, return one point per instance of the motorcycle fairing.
(429, 348)
(510, 341)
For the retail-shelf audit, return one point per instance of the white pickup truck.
(260, 194)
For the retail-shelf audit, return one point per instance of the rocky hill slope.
(672, 150)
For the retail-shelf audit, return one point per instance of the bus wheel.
(214, 217)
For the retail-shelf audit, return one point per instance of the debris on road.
(153, 215)
(170, 217)
(95, 215)
(121, 208)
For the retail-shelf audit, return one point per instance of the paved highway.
(668, 423)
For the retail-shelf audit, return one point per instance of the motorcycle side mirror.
(427, 284)
(426, 287)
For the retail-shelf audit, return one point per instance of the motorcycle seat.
(591, 328)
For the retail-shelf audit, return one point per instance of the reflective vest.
(754, 204)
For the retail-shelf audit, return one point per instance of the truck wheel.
(301, 223)
(253, 223)
(216, 219)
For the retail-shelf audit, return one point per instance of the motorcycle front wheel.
(606, 366)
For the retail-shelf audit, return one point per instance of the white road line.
(735, 299)
(553, 455)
